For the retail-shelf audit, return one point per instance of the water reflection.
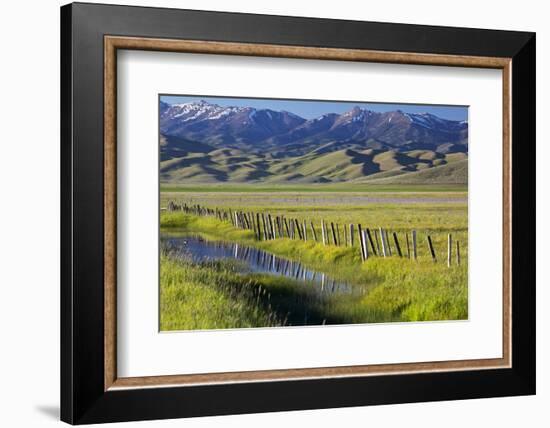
(199, 250)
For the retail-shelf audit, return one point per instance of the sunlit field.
(214, 294)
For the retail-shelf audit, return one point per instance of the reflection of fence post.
(431, 247)
(414, 244)
(449, 250)
(397, 244)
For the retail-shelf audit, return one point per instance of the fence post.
(369, 236)
(266, 234)
(414, 244)
(271, 225)
(430, 245)
(408, 247)
(351, 234)
(258, 226)
(286, 227)
(298, 228)
(346, 242)
(457, 253)
(397, 244)
(388, 242)
(304, 230)
(449, 249)
(365, 245)
(383, 239)
(333, 233)
(313, 231)
(323, 231)
(377, 242)
(361, 242)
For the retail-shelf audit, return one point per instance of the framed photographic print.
(266, 213)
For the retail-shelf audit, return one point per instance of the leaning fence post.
(313, 231)
(388, 242)
(286, 227)
(369, 236)
(449, 250)
(258, 226)
(365, 245)
(346, 242)
(265, 228)
(430, 245)
(272, 226)
(383, 239)
(298, 228)
(377, 242)
(397, 245)
(333, 233)
(304, 230)
(408, 247)
(361, 243)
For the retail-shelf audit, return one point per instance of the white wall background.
(29, 219)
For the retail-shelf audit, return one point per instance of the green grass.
(391, 289)
(207, 297)
(427, 212)
(452, 172)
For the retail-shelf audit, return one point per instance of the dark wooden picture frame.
(90, 36)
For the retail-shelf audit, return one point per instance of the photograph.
(263, 211)
(286, 212)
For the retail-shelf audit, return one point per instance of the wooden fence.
(372, 242)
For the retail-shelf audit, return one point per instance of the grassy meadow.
(220, 294)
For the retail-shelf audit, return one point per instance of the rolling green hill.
(451, 173)
(200, 163)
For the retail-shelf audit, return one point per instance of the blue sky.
(312, 109)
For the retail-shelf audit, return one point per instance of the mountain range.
(203, 142)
